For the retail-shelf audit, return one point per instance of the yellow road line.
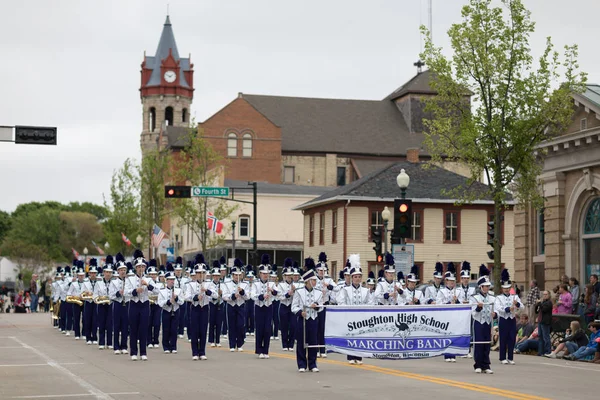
(425, 378)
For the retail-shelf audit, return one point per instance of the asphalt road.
(37, 362)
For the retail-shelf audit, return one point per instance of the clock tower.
(166, 90)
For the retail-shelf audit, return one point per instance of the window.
(247, 145)
(288, 175)
(169, 116)
(592, 218)
(451, 227)
(583, 124)
(184, 115)
(334, 226)
(491, 218)
(341, 176)
(244, 226)
(232, 145)
(417, 226)
(152, 119)
(376, 221)
(311, 228)
(322, 228)
(333, 271)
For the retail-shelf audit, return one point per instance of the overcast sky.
(76, 65)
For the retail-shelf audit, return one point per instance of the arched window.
(592, 218)
(232, 145)
(152, 119)
(169, 116)
(184, 115)
(247, 145)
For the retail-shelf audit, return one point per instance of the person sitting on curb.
(574, 340)
(592, 345)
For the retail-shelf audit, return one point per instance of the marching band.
(138, 305)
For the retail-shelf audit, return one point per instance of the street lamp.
(85, 253)
(233, 239)
(107, 245)
(385, 215)
(138, 240)
(403, 180)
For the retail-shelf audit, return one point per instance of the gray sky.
(76, 65)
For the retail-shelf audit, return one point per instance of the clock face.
(170, 76)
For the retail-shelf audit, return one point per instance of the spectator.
(564, 279)
(34, 288)
(532, 297)
(530, 343)
(544, 310)
(19, 285)
(575, 293)
(565, 301)
(27, 302)
(47, 294)
(20, 303)
(524, 330)
(592, 345)
(594, 281)
(589, 303)
(572, 342)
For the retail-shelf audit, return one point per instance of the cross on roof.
(419, 64)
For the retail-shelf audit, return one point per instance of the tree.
(100, 212)
(5, 224)
(78, 230)
(26, 208)
(124, 207)
(516, 104)
(198, 164)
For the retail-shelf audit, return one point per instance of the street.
(38, 362)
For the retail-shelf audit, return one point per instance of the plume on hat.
(354, 260)
(322, 257)
(483, 271)
(439, 267)
(152, 263)
(451, 267)
(119, 257)
(80, 264)
(287, 262)
(505, 276)
(466, 266)
(170, 267)
(265, 259)
(400, 276)
(389, 259)
(249, 268)
(200, 259)
(309, 264)
(216, 264)
(296, 265)
(129, 265)
(109, 259)
(74, 261)
(238, 263)
(138, 254)
(414, 270)
(93, 262)
(348, 265)
(222, 260)
(380, 274)
(371, 274)
(341, 274)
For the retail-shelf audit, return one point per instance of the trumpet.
(87, 296)
(153, 299)
(102, 300)
(74, 300)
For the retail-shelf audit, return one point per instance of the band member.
(507, 305)
(450, 294)
(180, 282)
(56, 292)
(468, 291)
(120, 304)
(275, 318)
(102, 300)
(200, 294)
(137, 289)
(67, 308)
(215, 314)
(286, 291)
(75, 290)
(250, 326)
(235, 293)
(263, 292)
(170, 299)
(388, 290)
(90, 313)
(306, 304)
(347, 277)
(483, 316)
(224, 279)
(371, 286)
(328, 287)
(411, 295)
(432, 291)
(355, 294)
(155, 309)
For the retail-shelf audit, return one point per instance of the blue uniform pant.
(181, 319)
(170, 321)
(481, 352)
(250, 316)
(321, 331)
(154, 324)
(215, 323)
(263, 317)
(275, 319)
(198, 327)
(139, 313)
(105, 324)
(77, 319)
(188, 318)
(311, 339)
(90, 320)
(62, 315)
(507, 334)
(235, 322)
(224, 313)
(120, 325)
(68, 316)
(285, 321)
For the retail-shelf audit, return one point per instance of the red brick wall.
(240, 117)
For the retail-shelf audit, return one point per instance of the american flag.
(213, 223)
(75, 253)
(100, 251)
(157, 236)
(125, 239)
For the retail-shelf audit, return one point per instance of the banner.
(398, 332)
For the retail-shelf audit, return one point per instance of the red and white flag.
(100, 251)
(125, 239)
(75, 253)
(213, 223)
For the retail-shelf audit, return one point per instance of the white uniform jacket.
(64, 288)
(114, 290)
(283, 293)
(75, 289)
(431, 293)
(90, 286)
(200, 293)
(482, 315)
(181, 282)
(264, 293)
(324, 286)
(410, 297)
(102, 289)
(56, 291)
(384, 287)
(447, 296)
(235, 294)
(304, 298)
(134, 282)
(503, 304)
(164, 299)
(354, 296)
(468, 291)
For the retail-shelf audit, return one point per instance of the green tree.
(198, 164)
(516, 104)
(5, 224)
(123, 207)
(100, 212)
(78, 229)
(26, 208)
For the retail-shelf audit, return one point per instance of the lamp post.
(107, 245)
(85, 253)
(403, 180)
(385, 215)
(233, 239)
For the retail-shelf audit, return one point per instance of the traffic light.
(492, 234)
(178, 192)
(376, 238)
(35, 135)
(403, 218)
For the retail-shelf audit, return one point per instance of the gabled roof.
(419, 84)
(341, 126)
(166, 45)
(427, 185)
(178, 136)
(280, 189)
(592, 94)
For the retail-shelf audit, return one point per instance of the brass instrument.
(153, 298)
(87, 295)
(74, 300)
(102, 300)
(55, 308)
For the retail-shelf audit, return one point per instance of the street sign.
(206, 191)
(404, 257)
(35, 135)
